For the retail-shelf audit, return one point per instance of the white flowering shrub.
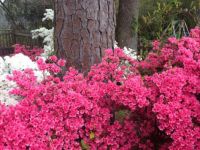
(46, 34)
(7, 65)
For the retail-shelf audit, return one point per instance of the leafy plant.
(157, 18)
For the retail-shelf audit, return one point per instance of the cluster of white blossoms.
(128, 51)
(46, 34)
(7, 65)
(48, 15)
(6, 85)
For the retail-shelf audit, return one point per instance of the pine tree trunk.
(127, 20)
(84, 29)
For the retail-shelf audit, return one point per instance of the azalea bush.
(22, 58)
(121, 104)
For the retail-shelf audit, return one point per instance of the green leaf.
(121, 115)
(92, 135)
(84, 146)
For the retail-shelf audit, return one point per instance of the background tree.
(84, 28)
(127, 23)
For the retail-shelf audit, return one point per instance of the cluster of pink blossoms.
(32, 54)
(121, 104)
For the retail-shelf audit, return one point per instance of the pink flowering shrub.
(121, 104)
(32, 53)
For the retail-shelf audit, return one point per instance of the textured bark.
(84, 29)
(126, 31)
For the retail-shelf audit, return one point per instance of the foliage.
(157, 19)
(120, 104)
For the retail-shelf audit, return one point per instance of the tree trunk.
(84, 29)
(127, 23)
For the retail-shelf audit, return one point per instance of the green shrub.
(158, 17)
